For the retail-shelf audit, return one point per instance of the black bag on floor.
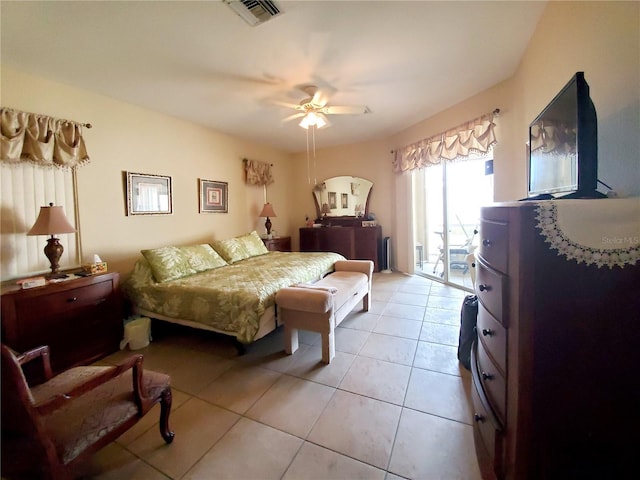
(468, 318)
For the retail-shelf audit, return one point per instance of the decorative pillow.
(238, 248)
(170, 263)
(253, 243)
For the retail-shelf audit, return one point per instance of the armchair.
(49, 428)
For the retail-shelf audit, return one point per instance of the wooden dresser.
(555, 380)
(80, 319)
(354, 243)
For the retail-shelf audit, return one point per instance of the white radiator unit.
(254, 12)
(386, 255)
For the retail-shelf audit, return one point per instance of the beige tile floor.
(394, 403)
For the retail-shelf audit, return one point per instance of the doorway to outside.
(447, 201)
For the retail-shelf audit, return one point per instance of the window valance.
(476, 136)
(41, 139)
(550, 137)
(257, 173)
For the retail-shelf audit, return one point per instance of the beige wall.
(128, 138)
(599, 38)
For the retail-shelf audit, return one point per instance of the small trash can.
(137, 333)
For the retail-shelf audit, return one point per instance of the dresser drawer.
(486, 427)
(494, 238)
(491, 288)
(493, 382)
(494, 337)
(63, 302)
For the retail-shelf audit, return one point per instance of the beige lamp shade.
(267, 211)
(50, 221)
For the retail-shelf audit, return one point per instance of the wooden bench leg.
(366, 303)
(290, 339)
(328, 346)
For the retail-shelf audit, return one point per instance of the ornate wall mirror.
(342, 197)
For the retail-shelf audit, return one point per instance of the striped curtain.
(24, 188)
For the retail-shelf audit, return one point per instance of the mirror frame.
(318, 206)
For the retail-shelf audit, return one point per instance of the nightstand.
(80, 319)
(279, 244)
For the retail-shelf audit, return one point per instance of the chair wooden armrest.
(62, 398)
(41, 352)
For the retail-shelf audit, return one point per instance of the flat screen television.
(563, 146)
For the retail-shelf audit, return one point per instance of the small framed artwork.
(333, 200)
(213, 196)
(345, 200)
(149, 194)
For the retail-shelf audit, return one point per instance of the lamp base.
(267, 225)
(53, 251)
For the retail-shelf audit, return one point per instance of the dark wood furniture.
(47, 430)
(278, 244)
(354, 242)
(80, 319)
(554, 367)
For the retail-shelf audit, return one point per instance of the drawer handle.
(72, 299)
(478, 418)
(488, 332)
(486, 243)
(487, 376)
(484, 288)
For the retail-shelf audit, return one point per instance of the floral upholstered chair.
(49, 428)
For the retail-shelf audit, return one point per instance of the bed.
(228, 286)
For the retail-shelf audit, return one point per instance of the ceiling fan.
(314, 108)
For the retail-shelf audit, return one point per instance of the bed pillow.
(239, 248)
(171, 263)
(253, 243)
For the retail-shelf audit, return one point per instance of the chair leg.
(165, 409)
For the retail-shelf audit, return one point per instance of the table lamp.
(50, 221)
(267, 211)
(325, 209)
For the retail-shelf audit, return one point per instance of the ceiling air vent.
(254, 12)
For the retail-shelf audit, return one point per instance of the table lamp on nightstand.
(50, 221)
(267, 211)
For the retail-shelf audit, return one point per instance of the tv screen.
(563, 145)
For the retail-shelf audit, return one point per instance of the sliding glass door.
(447, 201)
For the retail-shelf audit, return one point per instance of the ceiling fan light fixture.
(312, 119)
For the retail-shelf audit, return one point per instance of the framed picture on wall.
(149, 194)
(213, 196)
(344, 200)
(333, 201)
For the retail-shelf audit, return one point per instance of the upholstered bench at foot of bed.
(321, 306)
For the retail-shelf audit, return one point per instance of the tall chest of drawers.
(80, 319)
(554, 363)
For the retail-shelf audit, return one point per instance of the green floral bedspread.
(230, 298)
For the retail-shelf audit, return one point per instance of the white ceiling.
(201, 62)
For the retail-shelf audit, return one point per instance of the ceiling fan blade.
(345, 110)
(320, 98)
(281, 103)
(293, 117)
